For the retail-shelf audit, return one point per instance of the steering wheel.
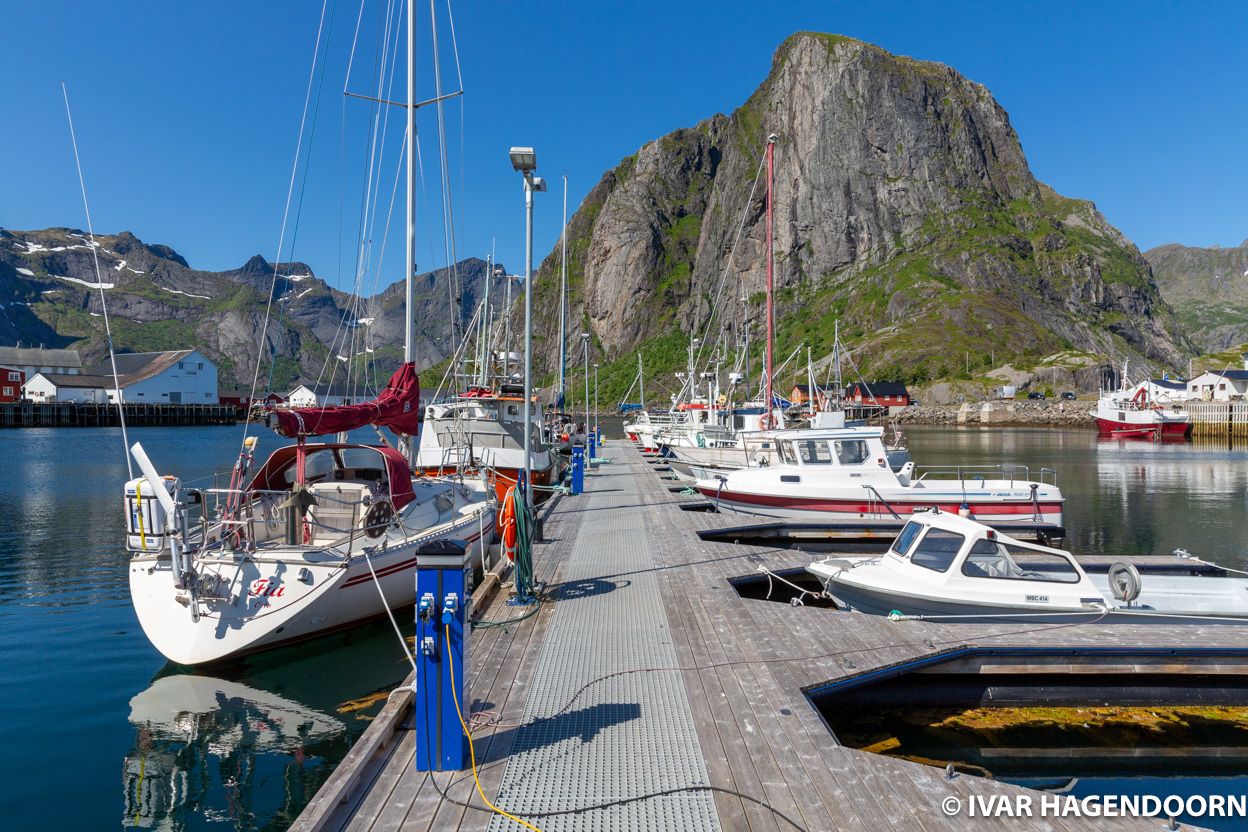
(380, 516)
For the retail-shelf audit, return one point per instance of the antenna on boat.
(99, 281)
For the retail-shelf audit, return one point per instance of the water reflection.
(1123, 497)
(252, 746)
(199, 735)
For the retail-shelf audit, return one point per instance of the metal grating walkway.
(591, 736)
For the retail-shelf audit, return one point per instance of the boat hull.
(831, 510)
(1167, 428)
(273, 599)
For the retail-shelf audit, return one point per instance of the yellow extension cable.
(472, 751)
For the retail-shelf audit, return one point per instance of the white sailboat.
(322, 536)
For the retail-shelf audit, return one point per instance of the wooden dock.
(89, 415)
(1218, 420)
(647, 693)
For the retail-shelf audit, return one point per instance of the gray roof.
(80, 380)
(133, 367)
(1170, 383)
(32, 357)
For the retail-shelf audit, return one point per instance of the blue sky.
(187, 113)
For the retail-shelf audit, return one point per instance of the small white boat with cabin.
(844, 475)
(951, 569)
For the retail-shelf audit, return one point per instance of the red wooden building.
(878, 393)
(11, 381)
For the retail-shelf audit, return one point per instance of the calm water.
(98, 732)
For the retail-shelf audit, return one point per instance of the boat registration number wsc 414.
(1037, 599)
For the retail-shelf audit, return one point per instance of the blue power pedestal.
(578, 469)
(443, 591)
(592, 448)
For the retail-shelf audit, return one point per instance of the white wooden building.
(173, 377)
(63, 387)
(1163, 390)
(305, 396)
(32, 361)
(1218, 385)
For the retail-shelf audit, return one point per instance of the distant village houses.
(172, 377)
(802, 394)
(11, 381)
(323, 396)
(878, 393)
(1218, 385)
(31, 360)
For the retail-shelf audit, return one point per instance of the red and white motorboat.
(1123, 415)
(843, 476)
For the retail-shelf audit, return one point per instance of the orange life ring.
(507, 523)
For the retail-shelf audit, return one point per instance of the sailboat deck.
(648, 694)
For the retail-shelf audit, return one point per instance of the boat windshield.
(994, 559)
(814, 452)
(937, 550)
(907, 537)
(786, 452)
(851, 451)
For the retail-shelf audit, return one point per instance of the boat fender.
(1124, 581)
(507, 523)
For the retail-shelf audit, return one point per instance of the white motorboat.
(843, 475)
(482, 429)
(313, 542)
(951, 569)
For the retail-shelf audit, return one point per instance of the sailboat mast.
(641, 379)
(563, 300)
(771, 311)
(409, 330)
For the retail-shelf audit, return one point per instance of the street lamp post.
(524, 160)
(585, 352)
(597, 436)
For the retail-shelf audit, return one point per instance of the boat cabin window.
(937, 550)
(513, 412)
(851, 451)
(361, 464)
(907, 537)
(814, 452)
(786, 452)
(994, 559)
(318, 466)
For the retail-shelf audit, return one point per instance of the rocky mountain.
(156, 301)
(904, 209)
(1208, 288)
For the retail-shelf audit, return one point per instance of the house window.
(181, 365)
(1221, 386)
(8, 391)
(15, 376)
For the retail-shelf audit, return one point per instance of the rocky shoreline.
(1073, 414)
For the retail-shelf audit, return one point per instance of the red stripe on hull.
(395, 568)
(853, 507)
(1170, 428)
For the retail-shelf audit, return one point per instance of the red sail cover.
(397, 408)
